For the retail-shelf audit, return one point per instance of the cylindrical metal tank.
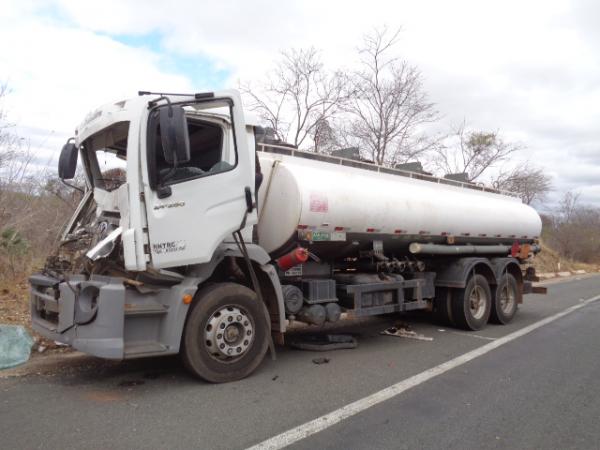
(337, 209)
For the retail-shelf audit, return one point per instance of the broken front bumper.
(85, 314)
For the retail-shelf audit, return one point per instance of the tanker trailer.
(197, 235)
(382, 240)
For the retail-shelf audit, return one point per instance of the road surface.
(536, 390)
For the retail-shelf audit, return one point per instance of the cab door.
(193, 207)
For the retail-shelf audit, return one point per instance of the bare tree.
(574, 230)
(9, 141)
(15, 154)
(388, 106)
(472, 152)
(530, 182)
(298, 95)
(568, 204)
(324, 137)
(15, 159)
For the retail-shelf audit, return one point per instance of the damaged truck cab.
(168, 179)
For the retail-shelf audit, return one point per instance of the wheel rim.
(477, 302)
(507, 299)
(229, 333)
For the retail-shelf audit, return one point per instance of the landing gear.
(226, 334)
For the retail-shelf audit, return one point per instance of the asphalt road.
(538, 391)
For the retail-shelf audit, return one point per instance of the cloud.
(58, 73)
(527, 69)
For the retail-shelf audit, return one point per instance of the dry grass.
(14, 302)
(550, 261)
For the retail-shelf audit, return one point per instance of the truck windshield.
(106, 156)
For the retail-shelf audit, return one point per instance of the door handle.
(249, 202)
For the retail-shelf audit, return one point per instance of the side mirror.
(174, 134)
(67, 163)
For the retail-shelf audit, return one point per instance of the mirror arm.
(72, 186)
(152, 103)
(164, 191)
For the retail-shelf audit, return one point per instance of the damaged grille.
(44, 298)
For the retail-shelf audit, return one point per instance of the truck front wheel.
(471, 306)
(505, 302)
(226, 333)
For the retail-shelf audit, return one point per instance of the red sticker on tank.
(318, 203)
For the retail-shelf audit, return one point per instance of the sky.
(528, 69)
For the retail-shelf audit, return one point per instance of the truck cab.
(168, 180)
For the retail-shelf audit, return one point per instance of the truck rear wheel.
(226, 333)
(471, 306)
(442, 306)
(506, 297)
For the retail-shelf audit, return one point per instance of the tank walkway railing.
(292, 151)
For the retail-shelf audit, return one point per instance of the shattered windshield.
(106, 155)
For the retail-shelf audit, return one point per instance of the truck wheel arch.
(510, 265)
(456, 274)
(265, 272)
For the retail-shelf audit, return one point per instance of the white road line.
(471, 335)
(321, 423)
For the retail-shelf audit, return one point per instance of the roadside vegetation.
(380, 108)
(34, 206)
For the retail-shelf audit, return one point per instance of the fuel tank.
(336, 209)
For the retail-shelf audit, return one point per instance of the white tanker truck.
(197, 234)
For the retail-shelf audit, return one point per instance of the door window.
(211, 149)
(106, 156)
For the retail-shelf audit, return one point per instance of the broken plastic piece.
(406, 333)
(15, 346)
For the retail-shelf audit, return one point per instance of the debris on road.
(15, 345)
(320, 360)
(403, 330)
(323, 343)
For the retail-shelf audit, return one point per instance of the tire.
(442, 306)
(505, 302)
(472, 306)
(236, 351)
